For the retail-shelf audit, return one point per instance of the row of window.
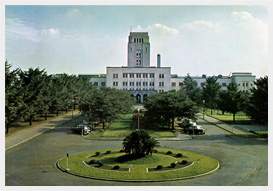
(245, 84)
(138, 40)
(97, 83)
(161, 84)
(132, 75)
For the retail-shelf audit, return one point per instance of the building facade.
(141, 79)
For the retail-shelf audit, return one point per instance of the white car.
(82, 129)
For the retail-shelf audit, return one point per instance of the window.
(138, 75)
(96, 83)
(152, 75)
(152, 84)
(102, 83)
(131, 75)
(125, 75)
(115, 83)
(246, 84)
(115, 75)
(145, 75)
(131, 83)
(125, 83)
(173, 84)
(161, 84)
(161, 75)
(224, 84)
(180, 84)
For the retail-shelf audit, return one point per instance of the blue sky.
(85, 39)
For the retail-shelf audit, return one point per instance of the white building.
(141, 79)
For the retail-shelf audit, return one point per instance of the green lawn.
(122, 127)
(261, 133)
(240, 118)
(202, 164)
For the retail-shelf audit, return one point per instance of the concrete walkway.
(239, 130)
(31, 133)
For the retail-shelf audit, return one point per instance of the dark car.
(82, 129)
(195, 129)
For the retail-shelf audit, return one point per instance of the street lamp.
(203, 108)
(138, 117)
(72, 107)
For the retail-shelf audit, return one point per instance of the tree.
(232, 100)
(14, 104)
(106, 104)
(139, 143)
(257, 107)
(192, 90)
(33, 82)
(210, 92)
(164, 107)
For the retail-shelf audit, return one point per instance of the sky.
(194, 39)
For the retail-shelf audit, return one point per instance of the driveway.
(244, 161)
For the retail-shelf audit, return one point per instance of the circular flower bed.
(160, 166)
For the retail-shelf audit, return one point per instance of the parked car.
(197, 129)
(82, 129)
(187, 123)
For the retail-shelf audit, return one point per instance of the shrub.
(173, 165)
(116, 167)
(97, 153)
(169, 152)
(92, 162)
(108, 152)
(179, 155)
(99, 163)
(184, 162)
(155, 151)
(121, 151)
(159, 167)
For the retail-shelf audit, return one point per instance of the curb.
(117, 180)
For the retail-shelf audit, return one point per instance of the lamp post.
(204, 109)
(138, 117)
(72, 107)
(67, 155)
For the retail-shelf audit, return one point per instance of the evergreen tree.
(210, 92)
(258, 101)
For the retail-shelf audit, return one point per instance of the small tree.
(139, 143)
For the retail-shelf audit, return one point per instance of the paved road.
(244, 160)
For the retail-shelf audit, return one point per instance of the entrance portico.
(140, 96)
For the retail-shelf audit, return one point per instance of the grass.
(261, 133)
(122, 127)
(202, 164)
(240, 118)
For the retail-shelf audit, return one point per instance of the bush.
(108, 152)
(155, 151)
(169, 152)
(99, 163)
(184, 162)
(179, 155)
(97, 153)
(159, 167)
(173, 165)
(92, 162)
(121, 151)
(116, 167)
